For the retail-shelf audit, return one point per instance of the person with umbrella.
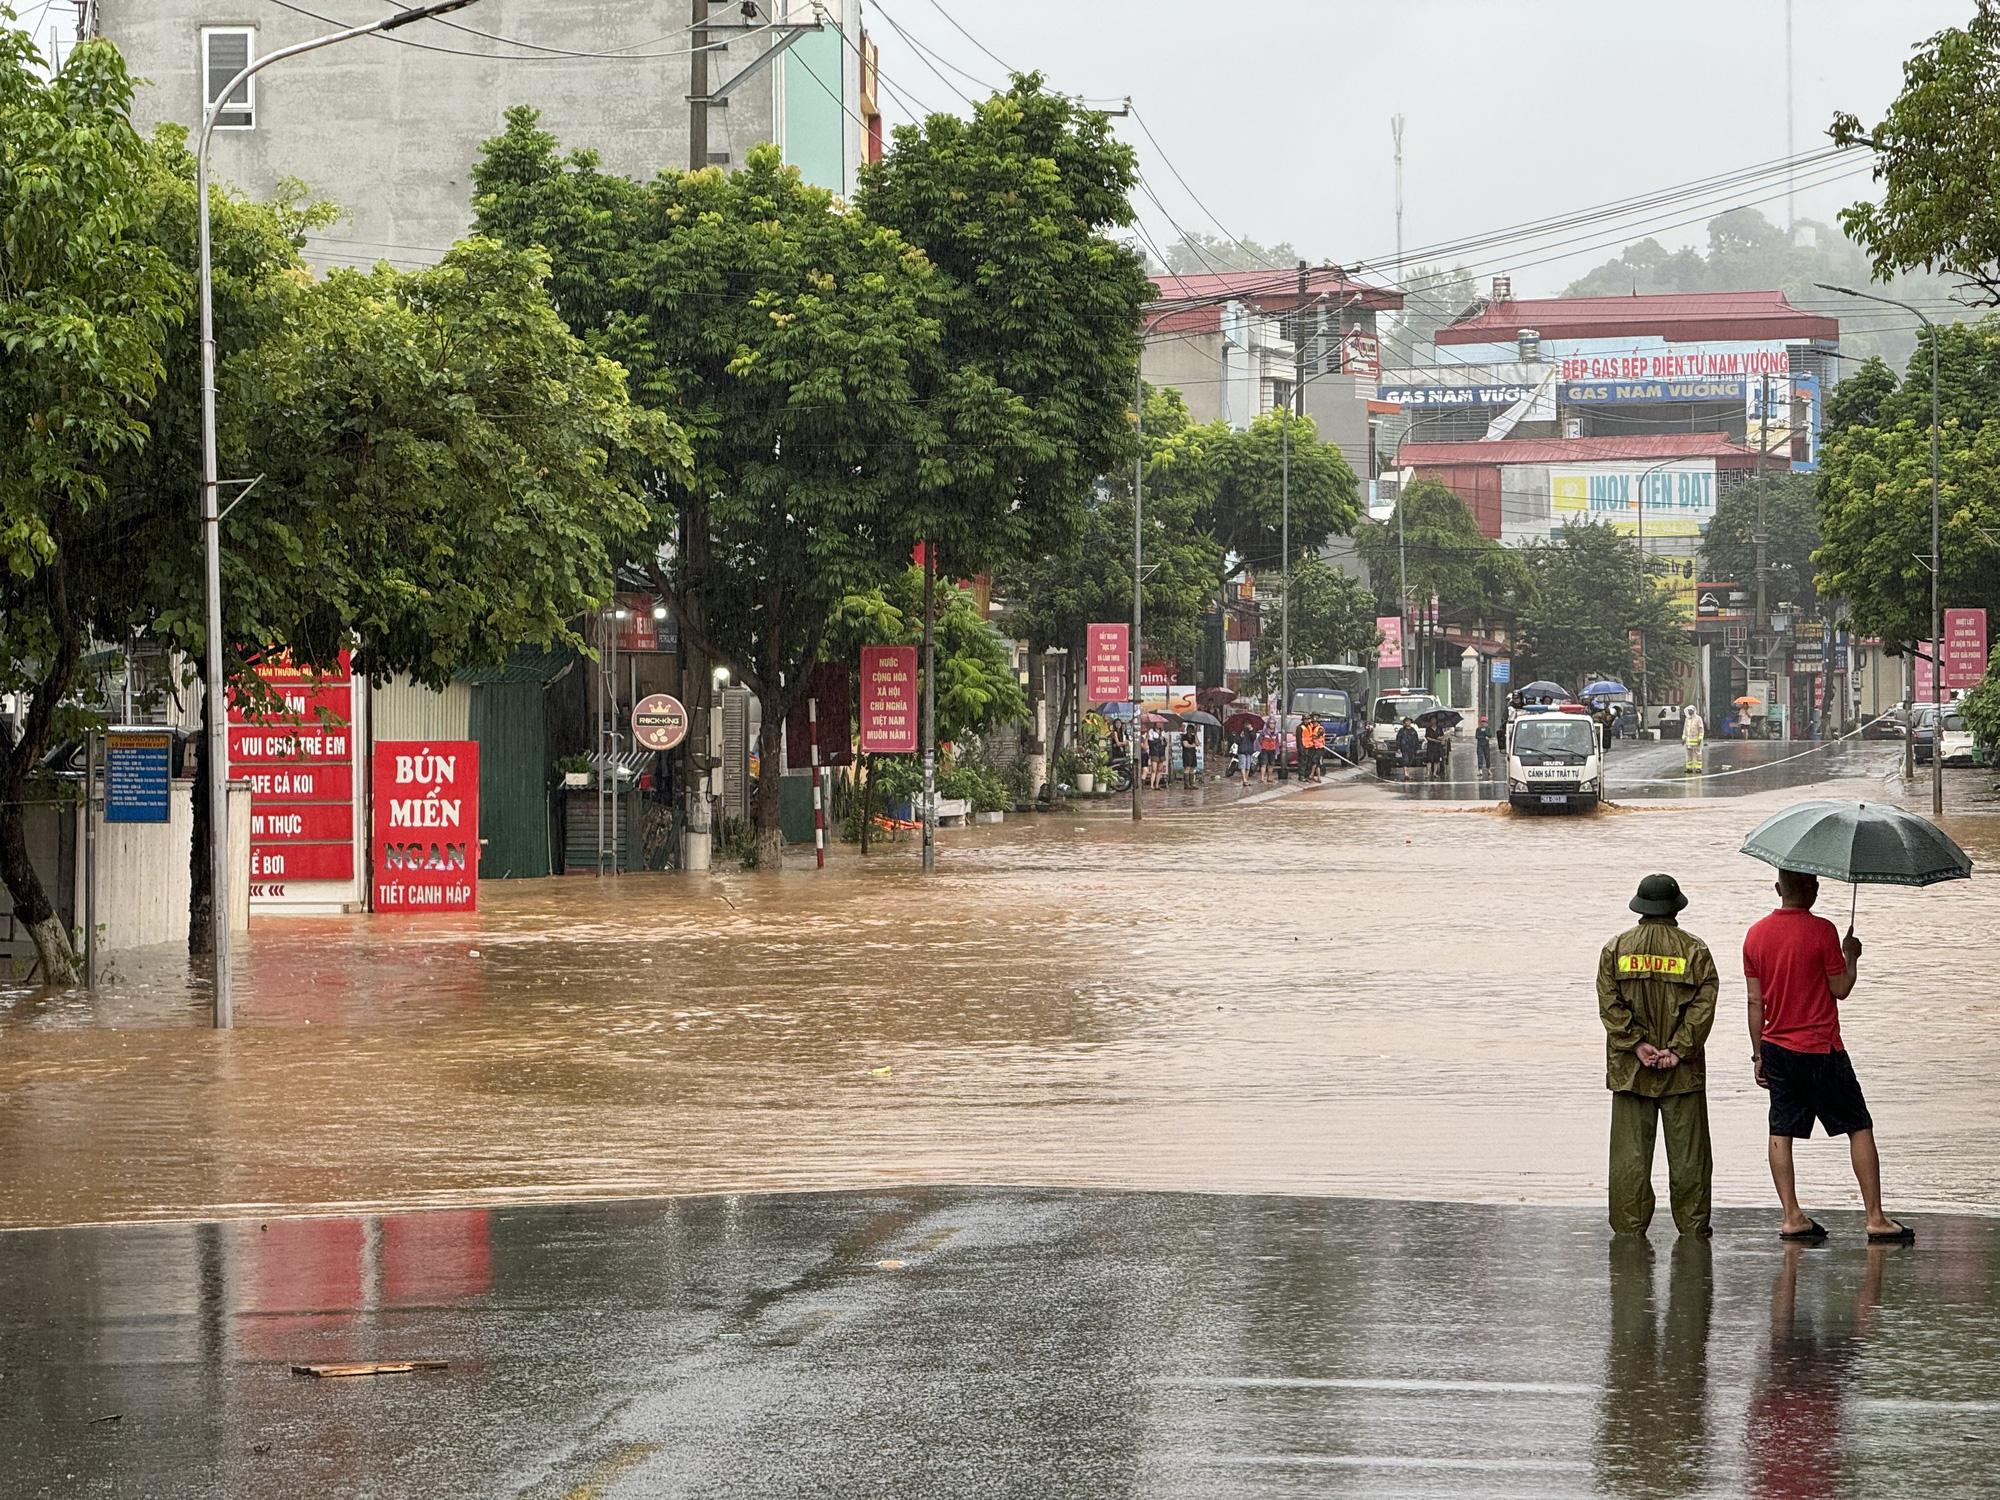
(1656, 991)
(1797, 968)
(1247, 726)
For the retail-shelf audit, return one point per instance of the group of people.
(1425, 752)
(1656, 994)
(1257, 745)
(1157, 743)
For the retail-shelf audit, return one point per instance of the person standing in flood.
(1656, 989)
(1694, 729)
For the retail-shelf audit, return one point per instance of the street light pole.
(1937, 570)
(215, 748)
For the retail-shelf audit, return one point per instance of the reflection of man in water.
(1652, 1430)
(1794, 1434)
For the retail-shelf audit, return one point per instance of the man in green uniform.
(1656, 987)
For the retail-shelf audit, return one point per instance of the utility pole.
(930, 705)
(1296, 399)
(1396, 130)
(1761, 651)
(1137, 754)
(1791, 167)
(698, 89)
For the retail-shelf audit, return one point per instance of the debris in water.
(369, 1367)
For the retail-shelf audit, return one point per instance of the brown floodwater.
(1340, 992)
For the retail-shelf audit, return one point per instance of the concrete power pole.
(1761, 650)
(698, 89)
(1396, 130)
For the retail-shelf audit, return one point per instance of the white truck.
(1386, 717)
(1555, 758)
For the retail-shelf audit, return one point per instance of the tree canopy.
(1433, 549)
(1589, 595)
(1790, 504)
(1934, 155)
(1333, 618)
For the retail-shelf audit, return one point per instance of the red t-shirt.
(1791, 954)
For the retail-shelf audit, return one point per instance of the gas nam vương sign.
(426, 835)
(1454, 395)
(1650, 392)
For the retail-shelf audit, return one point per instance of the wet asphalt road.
(957, 1342)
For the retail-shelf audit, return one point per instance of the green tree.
(446, 470)
(1434, 549)
(85, 304)
(1588, 596)
(1791, 529)
(1981, 706)
(1195, 253)
(1333, 618)
(1238, 484)
(790, 337)
(977, 689)
(1857, 400)
(1934, 155)
(1434, 297)
(1036, 310)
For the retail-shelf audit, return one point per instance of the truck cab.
(1555, 758)
(1387, 717)
(1339, 695)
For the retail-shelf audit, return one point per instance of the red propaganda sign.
(1108, 663)
(1964, 647)
(888, 700)
(659, 722)
(426, 834)
(297, 753)
(1391, 652)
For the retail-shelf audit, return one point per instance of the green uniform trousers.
(1690, 1163)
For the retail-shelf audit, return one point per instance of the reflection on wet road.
(1333, 991)
(996, 1342)
(1657, 771)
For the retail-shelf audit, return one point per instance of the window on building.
(225, 52)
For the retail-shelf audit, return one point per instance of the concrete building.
(1226, 342)
(389, 127)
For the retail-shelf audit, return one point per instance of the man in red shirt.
(1799, 968)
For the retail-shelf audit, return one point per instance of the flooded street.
(1341, 991)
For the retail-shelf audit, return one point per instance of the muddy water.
(1335, 992)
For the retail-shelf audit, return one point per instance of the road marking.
(1302, 1382)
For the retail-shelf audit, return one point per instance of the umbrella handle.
(1853, 906)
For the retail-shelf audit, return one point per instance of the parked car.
(1890, 724)
(1956, 745)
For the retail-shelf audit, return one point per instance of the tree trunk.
(31, 903)
(764, 811)
(32, 907)
(867, 798)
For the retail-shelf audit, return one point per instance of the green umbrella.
(1863, 843)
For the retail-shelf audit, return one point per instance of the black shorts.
(1813, 1085)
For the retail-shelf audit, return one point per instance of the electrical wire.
(548, 54)
(925, 55)
(1010, 71)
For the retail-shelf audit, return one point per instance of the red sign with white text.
(426, 826)
(1108, 664)
(298, 756)
(888, 700)
(1964, 647)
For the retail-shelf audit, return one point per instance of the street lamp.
(1937, 622)
(215, 751)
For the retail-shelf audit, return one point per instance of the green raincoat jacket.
(1656, 983)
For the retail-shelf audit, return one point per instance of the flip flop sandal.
(1814, 1230)
(1902, 1234)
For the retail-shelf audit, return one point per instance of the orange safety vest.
(1313, 736)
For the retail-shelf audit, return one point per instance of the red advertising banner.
(1964, 647)
(313, 707)
(1107, 664)
(298, 756)
(426, 825)
(1159, 674)
(1391, 652)
(280, 861)
(329, 784)
(888, 700)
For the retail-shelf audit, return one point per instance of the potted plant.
(575, 770)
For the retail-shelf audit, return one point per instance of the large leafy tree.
(1238, 483)
(1433, 550)
(445, 469)
(85, 304)
(1790, 506)
(1590, 592)
(1934, 155)
(1333, 618)
(795, 341)
(1875, 489)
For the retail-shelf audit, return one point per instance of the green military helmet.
(1659, 896)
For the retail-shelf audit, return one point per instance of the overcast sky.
(1277, 114)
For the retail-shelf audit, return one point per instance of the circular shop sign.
(659, 722)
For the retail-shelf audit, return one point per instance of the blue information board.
(136, 770)
(1503, 669)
